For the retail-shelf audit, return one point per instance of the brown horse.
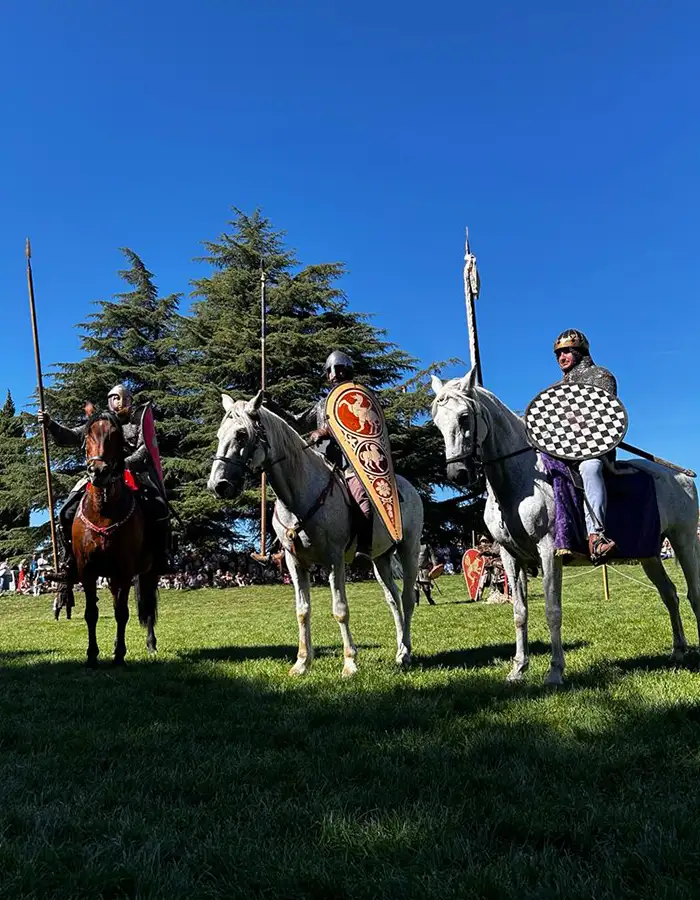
(110, 539)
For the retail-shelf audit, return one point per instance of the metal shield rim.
(543, 449)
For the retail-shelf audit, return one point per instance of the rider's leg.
(365, 521)
(66, 559)
(595, 507)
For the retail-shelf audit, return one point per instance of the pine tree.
(129, 340)
(19, 481)
(307, 318)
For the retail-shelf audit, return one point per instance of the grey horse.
(479, 428)
(313, 520)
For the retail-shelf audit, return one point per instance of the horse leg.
(91, 616)
(121, 616)
(687, 550)
(382, 571)
(336, 580)
(655, 572)
(146, 588)
(517, 577)
(302, 593)
(551, 582)
(408, 554)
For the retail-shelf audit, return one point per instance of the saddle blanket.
(632, 518)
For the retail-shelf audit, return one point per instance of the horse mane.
(288, 442)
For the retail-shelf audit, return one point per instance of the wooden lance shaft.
(263, 476)
(40, 386)
(606, 583)
(630, 448)
(470, 278)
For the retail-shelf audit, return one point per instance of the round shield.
(436, 571)
(575, 421)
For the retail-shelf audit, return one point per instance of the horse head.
(242, 446)
(457, 413)
(104, 449)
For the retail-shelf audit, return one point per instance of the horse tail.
(146, 586)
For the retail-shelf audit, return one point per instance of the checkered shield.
(575, 421)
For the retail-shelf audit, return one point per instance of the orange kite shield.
(357, 423)
(473, 568)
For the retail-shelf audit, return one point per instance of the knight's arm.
(138, 460)
(66, 437)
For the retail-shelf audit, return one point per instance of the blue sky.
(567, 136)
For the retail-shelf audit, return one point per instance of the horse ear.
(228, 402)
(466, 384)
(89, 408)
(436, 384)
(252, 406)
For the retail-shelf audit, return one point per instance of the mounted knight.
(348, 427)
(143, 474)
(573, 354)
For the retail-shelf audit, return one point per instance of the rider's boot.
(365, 528)
(600, 547)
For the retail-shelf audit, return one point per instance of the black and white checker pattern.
(575, 421)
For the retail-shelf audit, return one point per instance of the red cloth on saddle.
(130, 481)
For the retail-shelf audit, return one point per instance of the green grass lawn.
(208, 772)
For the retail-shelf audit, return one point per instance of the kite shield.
(473, 564)
(357, 422)
(148, 429)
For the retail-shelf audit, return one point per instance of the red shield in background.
(473, 569)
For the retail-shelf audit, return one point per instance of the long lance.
(263, 338)
(40, 387)
(471, 292)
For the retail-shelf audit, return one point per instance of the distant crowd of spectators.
(25, 577)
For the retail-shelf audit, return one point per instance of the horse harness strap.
(293, 533)
(106, 529)
(488, 462)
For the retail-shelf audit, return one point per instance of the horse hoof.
(678, 655)
(118, 661)
(350, 668)
(151, 648)
(299, 669)
(91, 662)
(553, 680)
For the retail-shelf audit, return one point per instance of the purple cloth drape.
(633, 514)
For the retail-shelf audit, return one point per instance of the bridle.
(241, 463)
(476, 464)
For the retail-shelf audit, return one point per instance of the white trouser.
(594, 488)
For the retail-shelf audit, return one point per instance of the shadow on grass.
(476, 657)
(237, 654)
(262, 784)
(22, 654)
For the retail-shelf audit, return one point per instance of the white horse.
(313, 520)
(480, 431)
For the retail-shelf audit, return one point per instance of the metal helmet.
(336, 359)
(571, 338)
(124, 394)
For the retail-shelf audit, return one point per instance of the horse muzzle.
(223, 488)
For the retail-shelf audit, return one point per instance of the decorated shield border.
(381, 487)
(538, 445)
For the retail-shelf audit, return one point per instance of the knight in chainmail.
(138, 461)
(572, 351)
(338, 368)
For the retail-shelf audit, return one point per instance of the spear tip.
(28, 249)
